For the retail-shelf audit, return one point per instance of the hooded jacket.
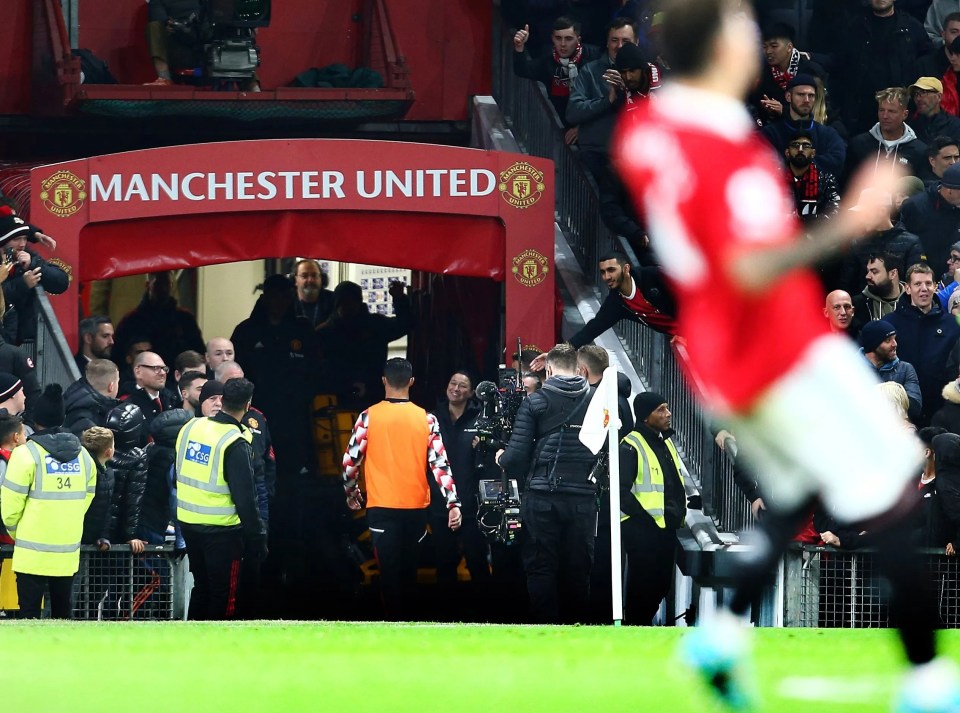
(948, 416)
(868, 307)
(545, 448)
(925, 341)
(938, 11)
(904, 374)
(908, 151)
(85, 407)
(937, 223)
(896, 240)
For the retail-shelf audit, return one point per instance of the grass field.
(256, 666)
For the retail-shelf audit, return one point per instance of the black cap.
(645, 403)
(48, 409)
(802, 80)
(874, 334)
(210, 388)
(629, 56)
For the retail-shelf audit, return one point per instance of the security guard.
(653, 506)
(217, 502)
(48, 487)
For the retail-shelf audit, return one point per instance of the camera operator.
(457, 418)
(172, 37)
(558, 506)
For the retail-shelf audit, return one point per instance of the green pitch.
(174, 667)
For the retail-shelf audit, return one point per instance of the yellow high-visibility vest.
(203, 496)
(647, 486)
(43, 503)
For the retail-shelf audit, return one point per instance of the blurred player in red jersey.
(800, 399)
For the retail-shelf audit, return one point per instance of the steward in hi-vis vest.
(217, 502)
(49, 483)
(653, 506)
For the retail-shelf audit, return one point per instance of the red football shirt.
(709, 188)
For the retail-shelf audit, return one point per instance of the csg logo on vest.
(198, 453)
(70, 467)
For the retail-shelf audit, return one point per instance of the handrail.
(54, 358)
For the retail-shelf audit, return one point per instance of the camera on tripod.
(499, 513)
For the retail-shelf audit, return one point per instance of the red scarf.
(806, 189)
(563, 76)
(783, 78)
(951, 98)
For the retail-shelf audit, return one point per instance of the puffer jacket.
(545, 448)
(129, 482)
(85, 407)
(158, 509)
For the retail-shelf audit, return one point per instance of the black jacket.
(896, 241)
(545, 448)
(948, 416)
(946, 450)
(458, 440)
(54, 279)
(170, 329)
(157, 509)
(655, 291)
(909, 155)
(238, 472)
(825, 206)
(85, 407)
(129, 483)
(937, 223)
(96, 521)
(941, 124)
(544, 70)
(14, 361)
(264, 462)
(674, 495)
(768, 87)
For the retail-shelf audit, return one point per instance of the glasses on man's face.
(800, 146)
(953, 258)
(156, 368)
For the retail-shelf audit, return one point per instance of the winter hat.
(802, 80)
(211, 388)
(645, 403)
(278, 283)
(13, 226)
(630, 57)
(910, 186)
(951, 177)
(874, 333)
(48, 409)
(9, 385)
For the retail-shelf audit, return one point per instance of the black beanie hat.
(48, 409)
(211, 388)
(630, 57)
(12, 226)
(802, 80)
(874, 333)
(645, 403)
(9, 385)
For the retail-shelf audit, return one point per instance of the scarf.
(565, 72)
(783, 78)
(951, 98)
(806, 189)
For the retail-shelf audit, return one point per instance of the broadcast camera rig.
(499, 513)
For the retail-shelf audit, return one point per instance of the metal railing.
(841, 589)
(536, 126)
(51, 353)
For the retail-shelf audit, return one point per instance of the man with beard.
(96, 341)
(879, 298)
(801, 95)
(878, 343)
(891, 138)
(815, 193)
(191, 384)
(784, 62)
(314, 302)
(931, 120)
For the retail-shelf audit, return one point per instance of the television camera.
(499, 512)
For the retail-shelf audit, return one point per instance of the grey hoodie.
(939, 9)
(892, 148)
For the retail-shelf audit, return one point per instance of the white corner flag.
(602, 423)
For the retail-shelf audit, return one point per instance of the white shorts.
(824, 429)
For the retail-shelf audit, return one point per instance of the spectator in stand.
(884, 288)
(815, 194)
(170, 329)
(219, 350)
(172, 37)
(191, 385)
(888, 238)
(19, 367)
(891, 138)
(838, 309)
(158, 509)
(399, 442)
(96, 522)
(801, 94)
(594, 94)
(88, 400)
(948, 416)
(930, 519)
(314, 301)
(558, 70)
(129, 465)
(150, 395)
(43, 509)
(96, 341)
(942, 153)
(185, 361)
(211, 398)
(138, 346)
(907, 187)
(926, 333)
(934, 216)
(930, 121)
(784, 62)
(938, 63)
(12, 399)
(878, 344)
(880, 47)
(640, 296)
(946, 452)
(937, 20)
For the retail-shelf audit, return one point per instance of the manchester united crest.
(63, 193)
(253, 423)
(521, 185)
(530, 268)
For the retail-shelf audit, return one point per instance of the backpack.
(93, 70)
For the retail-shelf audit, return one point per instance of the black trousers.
(558, 554)
(396, 542)
(651, 555)
(215, 559)
(32, 587)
